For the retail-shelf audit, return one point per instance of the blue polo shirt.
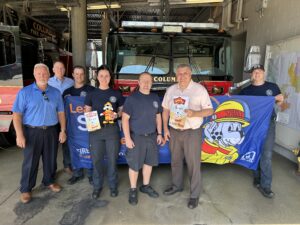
(39, 108)
(61, 85)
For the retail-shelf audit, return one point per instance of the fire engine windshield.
(160, 54)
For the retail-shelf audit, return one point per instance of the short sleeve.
(121, 99)
(242, 92)
(127, 107)
(66, 92)
(205, 100)
(88, 99)
(166, 100)
(60, 104)
(277, 90)
(159, 105)
(19, 104)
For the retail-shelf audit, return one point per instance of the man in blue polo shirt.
(36, 112)
(60, 82)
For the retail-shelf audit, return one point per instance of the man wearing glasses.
(37, 110)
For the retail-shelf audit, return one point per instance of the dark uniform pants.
(186, 145)
(105, 141)
(39, 142)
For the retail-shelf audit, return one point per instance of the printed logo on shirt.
(112, 99)
(83, 94)
(269, 92)
(155, 104)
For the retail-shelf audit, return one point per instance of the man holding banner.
(79, 89)
(185, 104)
(260, 87)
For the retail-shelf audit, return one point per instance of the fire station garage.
(73, 154)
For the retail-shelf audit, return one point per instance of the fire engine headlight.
(217, 90)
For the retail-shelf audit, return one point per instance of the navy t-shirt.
(266, 89)
(82, 92)
(98, 99)
(142, 110)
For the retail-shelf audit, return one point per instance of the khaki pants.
(186, 144)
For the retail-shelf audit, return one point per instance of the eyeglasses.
(45, 96)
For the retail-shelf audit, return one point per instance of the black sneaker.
(147, 189)
(256, 182)
(114, 193)
(91, 180)
(96, 193)
(133, 200)
(74, 180)
(268, 193)
(193, 203)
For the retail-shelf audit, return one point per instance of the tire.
(8, 139)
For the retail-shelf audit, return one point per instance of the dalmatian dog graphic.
(224, 132)
(108, 113)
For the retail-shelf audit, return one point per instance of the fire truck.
(21, 47)
(159, 47)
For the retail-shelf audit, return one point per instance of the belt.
(108, 125)
(182, 129)
(145, 135)
(40, 127)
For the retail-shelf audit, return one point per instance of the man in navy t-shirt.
(142, 126)
(79, 89)
(260, 87)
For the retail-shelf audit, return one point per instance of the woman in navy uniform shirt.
(107, 102)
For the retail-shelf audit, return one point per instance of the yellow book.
(92, 121)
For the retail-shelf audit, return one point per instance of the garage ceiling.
(50, 12)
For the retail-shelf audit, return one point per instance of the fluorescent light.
(203, 1)
(64, 9)
(92, 7)
(103, 6)
(172, 29)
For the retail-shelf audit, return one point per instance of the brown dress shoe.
(55, 187)
(25, 197)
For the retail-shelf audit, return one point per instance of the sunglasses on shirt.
(45, 96)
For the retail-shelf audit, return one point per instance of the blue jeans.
(105, 141)
(264, 170)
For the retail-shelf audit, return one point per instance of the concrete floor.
(228, 198)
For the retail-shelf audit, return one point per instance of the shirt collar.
(35, 87)
(188, 87)
(58, 80)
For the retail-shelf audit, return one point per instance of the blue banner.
(77, 135)
(235, 133)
